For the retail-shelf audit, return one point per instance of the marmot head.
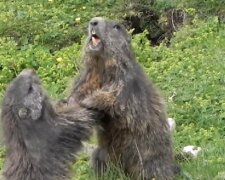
(107, 38)
(24, 97)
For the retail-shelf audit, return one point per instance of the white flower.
(77, 19)
(172, 124)
(192, 150)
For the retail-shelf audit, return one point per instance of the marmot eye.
(23, 112)
(117, 27)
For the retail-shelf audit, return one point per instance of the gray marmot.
(40, 142)
(134, 131)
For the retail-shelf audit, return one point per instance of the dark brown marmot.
(40, 142)
(135, 132)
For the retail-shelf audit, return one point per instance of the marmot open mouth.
(94, 38)
(95, 43)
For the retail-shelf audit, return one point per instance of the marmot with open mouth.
(135, 132)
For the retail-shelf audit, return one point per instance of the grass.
(190, 73)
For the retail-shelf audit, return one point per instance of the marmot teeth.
(93, 32)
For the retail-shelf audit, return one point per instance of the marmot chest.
(93, 82)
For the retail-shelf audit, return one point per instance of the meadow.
(188, 67)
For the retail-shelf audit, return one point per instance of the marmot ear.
(129, 39)
(128, 33)
(23, 113)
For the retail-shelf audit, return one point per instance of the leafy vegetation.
(190, 74)
(48, 36)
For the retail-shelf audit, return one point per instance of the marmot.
(40, 142)
(134, 131)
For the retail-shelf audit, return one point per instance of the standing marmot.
(40, 142)
(135, 131)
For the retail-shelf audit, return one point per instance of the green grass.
(191, 70)
(190, 73)
(82, 170)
